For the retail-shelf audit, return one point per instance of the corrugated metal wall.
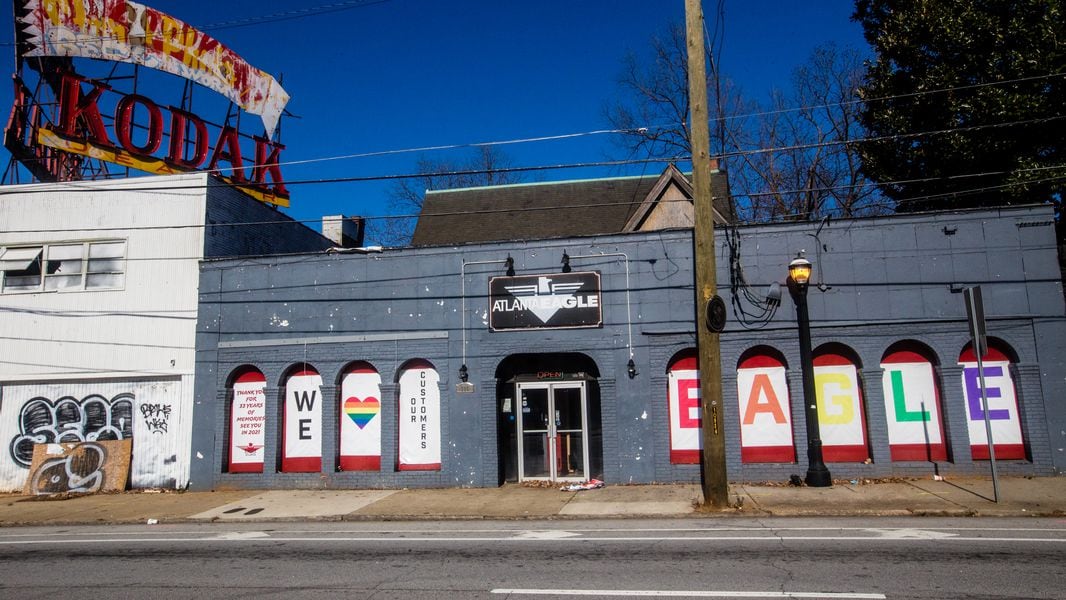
(156, 414)
(144, 329)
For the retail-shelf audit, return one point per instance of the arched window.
(841, 418)
(683, 407)
(912, 404)
(419, 412)
(765, 411)
(1003, 415)
(301, 439)
(247, 421)
(360, 411)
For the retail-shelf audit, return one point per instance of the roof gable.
(555, 209)
(671, 187)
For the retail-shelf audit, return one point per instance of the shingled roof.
(563, 209)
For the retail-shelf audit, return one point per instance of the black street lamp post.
(799, 273)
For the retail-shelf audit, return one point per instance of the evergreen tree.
(965, 102)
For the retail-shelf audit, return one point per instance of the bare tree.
(803, 163)
(654, 104)
(487, 165)
(788, 159)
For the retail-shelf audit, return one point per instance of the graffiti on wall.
(93, 418)
(79, 468)
(156, 416)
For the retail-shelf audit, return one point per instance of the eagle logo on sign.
(545, 298)
(250, 449)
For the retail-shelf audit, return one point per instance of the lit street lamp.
(799, 273)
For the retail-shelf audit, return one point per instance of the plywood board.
(79, 468)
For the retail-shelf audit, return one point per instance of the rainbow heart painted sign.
(360, 432)
(361, 411)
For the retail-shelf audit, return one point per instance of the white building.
(98, 309)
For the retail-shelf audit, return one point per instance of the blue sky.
(415, 73)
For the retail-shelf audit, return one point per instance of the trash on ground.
(591, 484)
(153, 521)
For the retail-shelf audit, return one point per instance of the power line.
(87, 187)
(898, 96)
(640, 130)
(96, 342)
(962, 191)
(732, 154)
(236, 297)
(288, 15)
(896, 136)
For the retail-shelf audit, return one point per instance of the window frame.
(37, 252)
(85, 272)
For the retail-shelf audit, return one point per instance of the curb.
(698, 515)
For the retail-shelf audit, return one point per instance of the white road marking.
(163, 530)
(546, 534)
(513, 539)
(913, 534)
(232, 536)
(690, 594)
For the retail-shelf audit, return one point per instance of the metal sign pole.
(988, 427)
(975, 312)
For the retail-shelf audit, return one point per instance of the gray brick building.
(470, 365)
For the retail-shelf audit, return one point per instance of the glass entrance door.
(553, 432)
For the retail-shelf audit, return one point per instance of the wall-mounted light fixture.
(566, 262)
(632, 368)
(463, 374)
(509, 263)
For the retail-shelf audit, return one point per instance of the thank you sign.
(548, 301)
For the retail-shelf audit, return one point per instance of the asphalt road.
(685, 558)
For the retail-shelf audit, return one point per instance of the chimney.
(345, 232)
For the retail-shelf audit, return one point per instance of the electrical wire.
(944, 90)
(640, 130)
(28, 188)
(288, 15)
(741, 290)
(962, 191)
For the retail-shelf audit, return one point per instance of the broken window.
(66, 266)
(21, 268)
(63, 267)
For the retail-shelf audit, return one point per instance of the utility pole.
(714, 479)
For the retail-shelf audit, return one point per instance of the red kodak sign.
(80, 129)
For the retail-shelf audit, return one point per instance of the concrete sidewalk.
(1045, 496)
